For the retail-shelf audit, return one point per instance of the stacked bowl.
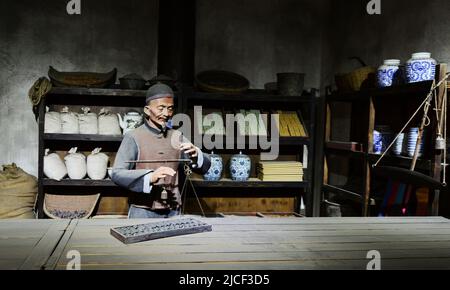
(413, 134)
(398, 146)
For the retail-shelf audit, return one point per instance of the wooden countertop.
(236, 243)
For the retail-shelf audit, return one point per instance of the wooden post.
(320, 169)
(39, 207)
(369, 146)
(436, 157)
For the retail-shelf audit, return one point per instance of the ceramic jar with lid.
(387, 72)
(240, 166)
(215, 171)
(421, 67)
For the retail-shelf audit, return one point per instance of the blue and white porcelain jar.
(382, 137)
(240, 166)
(377, 142)
(387, 72)
(215, 171)
(421, 67)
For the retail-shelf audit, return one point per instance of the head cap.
(158, 91)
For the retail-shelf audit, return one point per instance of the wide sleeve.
(203, 163)
(124, 174)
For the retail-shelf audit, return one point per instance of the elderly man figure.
(156, 182)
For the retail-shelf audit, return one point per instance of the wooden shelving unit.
(132, 98)
(260, 100)
(368, 108)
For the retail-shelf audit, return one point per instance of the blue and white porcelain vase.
(215, 171)
(421, 67)
(240, 166)
(387, 72)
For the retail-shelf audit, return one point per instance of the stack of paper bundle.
(291, 125)
(252, 124)
(280, 170)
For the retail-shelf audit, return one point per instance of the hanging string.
(438, 112)
(444, 111)
(188, 173)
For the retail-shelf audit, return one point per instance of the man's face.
(160, 110)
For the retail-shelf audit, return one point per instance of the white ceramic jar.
(421, 67)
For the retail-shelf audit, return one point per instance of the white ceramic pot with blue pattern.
(421, 67)
(387, 72)
(240, 166)
(215, 171)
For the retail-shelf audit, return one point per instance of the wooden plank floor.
(236, 243)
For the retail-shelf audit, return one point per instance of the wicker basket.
(82, 79)
(70, 206)
(353, 81)
(216, 81)
(357, 79)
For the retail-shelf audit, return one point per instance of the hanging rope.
(37, 93)
(444, 112)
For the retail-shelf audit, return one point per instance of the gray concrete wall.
(36, 34)
(404, 27)
(258, 38)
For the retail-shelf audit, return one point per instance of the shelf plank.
(83, 137)
(285, 141)
(79, 182)
(254, 96)
(74, 91)
(294, 141)
(402, 161)
(404, 90)
(58, 94)
(251, 183)
(346, 194)
(96, 97)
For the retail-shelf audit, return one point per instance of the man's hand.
(189, 149)
(161, 173)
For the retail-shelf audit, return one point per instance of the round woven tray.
(70, 206)
(217, 81)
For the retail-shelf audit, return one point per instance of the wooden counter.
(236, 243)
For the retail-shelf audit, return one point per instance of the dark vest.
(154, 146)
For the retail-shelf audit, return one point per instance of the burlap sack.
(18, 191)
